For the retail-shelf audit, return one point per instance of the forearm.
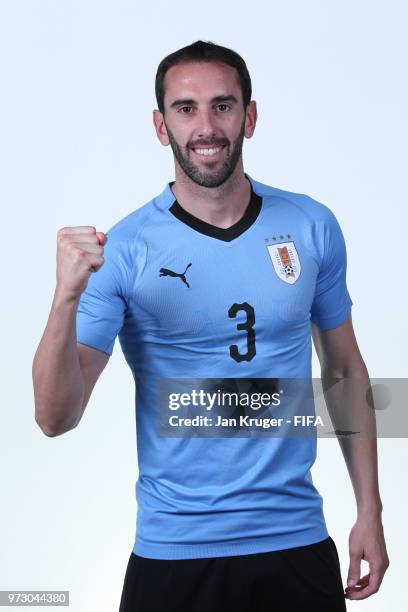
(57, 377)
(349, 409)
(360, 455)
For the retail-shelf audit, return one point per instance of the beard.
(210, 178)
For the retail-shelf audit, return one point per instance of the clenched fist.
(79, 252)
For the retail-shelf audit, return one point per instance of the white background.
(77, 147)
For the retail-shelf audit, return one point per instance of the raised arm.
(64, 371)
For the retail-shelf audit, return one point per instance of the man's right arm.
(64, 371)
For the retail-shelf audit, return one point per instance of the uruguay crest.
(285, 261)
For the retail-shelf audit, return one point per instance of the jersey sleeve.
(332, 303)
(102, 306)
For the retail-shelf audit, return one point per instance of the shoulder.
(130, 226)
(126, 250)
(308, 206)
(126, 234)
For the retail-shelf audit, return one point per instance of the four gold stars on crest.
(281, 237)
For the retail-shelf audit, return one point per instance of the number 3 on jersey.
(248, 327)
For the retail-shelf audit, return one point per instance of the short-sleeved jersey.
(190, 300)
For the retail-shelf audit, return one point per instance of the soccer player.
(219, 282)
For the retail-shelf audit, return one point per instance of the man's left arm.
(341, 360)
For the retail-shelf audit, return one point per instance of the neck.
(221, 206)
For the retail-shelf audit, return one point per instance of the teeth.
(208, 151)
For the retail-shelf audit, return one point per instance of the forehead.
(200, 80)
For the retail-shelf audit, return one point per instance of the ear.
(160, 127)
(250, 120)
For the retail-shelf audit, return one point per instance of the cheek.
(183, 139)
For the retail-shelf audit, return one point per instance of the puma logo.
(182, 275)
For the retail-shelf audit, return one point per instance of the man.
(218, 277)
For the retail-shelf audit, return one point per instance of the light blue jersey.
(190, 300)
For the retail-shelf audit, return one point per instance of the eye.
(226, 105)
(182, 108)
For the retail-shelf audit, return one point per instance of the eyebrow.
(187, 101)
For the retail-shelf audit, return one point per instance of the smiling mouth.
(208, 151)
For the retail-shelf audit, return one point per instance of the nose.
(206, 124)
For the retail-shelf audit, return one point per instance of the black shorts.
(301, 579)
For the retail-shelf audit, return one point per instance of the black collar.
(229, 233)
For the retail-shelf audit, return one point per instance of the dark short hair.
(201, 51)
